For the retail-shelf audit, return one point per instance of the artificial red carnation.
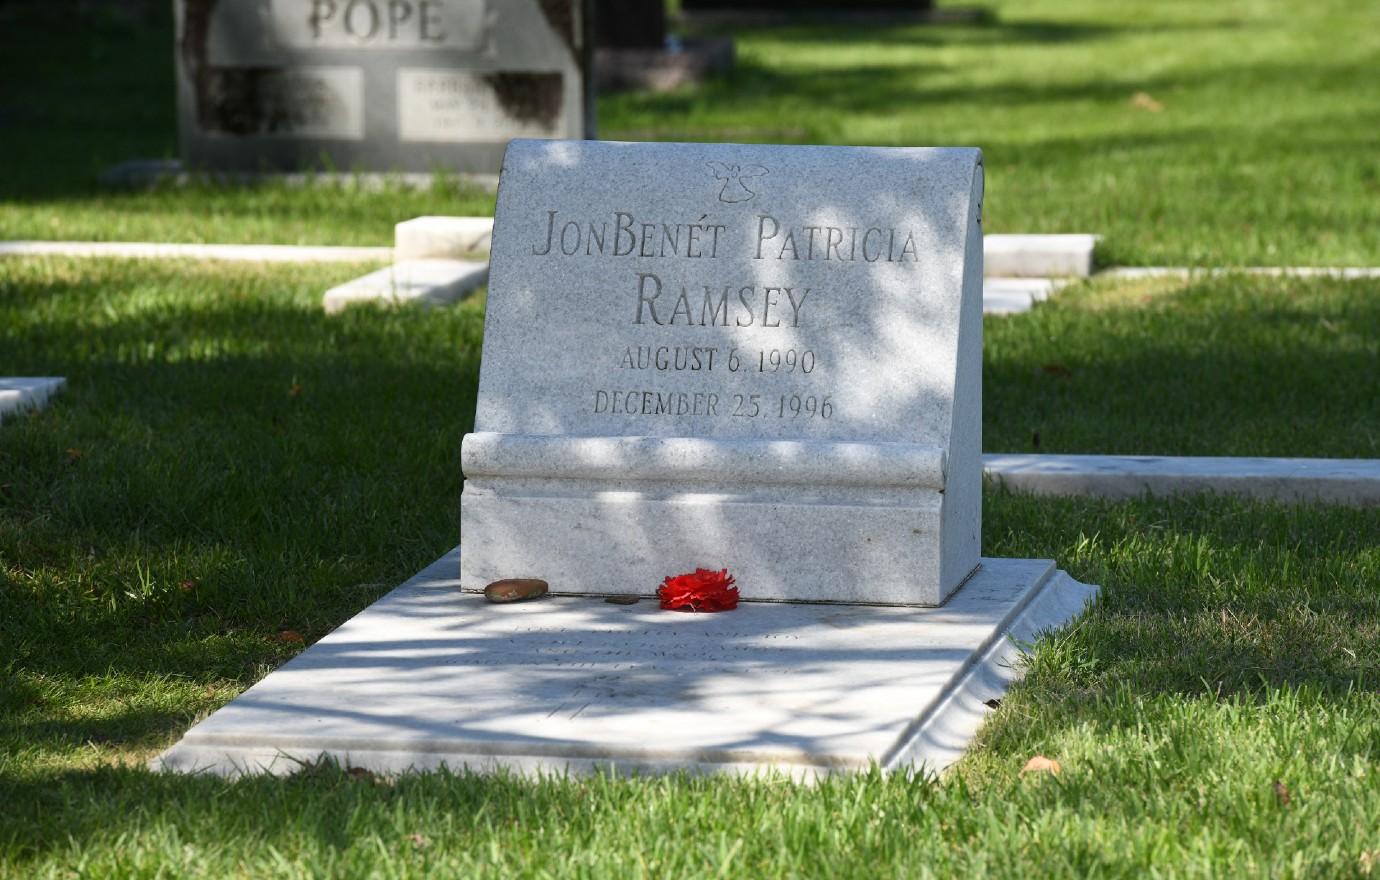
(702, 590)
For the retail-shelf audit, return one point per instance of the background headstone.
(699, 356)
(377, 85)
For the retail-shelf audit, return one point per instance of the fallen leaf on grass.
(1143, 101)
(1281, 793)
(290, 637)
(1368, 861)
(1041, 764)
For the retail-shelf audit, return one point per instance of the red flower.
(703, 590)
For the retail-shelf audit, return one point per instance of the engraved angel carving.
(734, 176)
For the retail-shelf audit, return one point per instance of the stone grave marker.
(376, 85)
(699, 356)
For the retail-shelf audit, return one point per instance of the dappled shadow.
(990, 29)
(1214, 366)
(1205, 595)
(864, 88)
(221, 466)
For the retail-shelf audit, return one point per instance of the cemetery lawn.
(231, 474)
(1185, 132)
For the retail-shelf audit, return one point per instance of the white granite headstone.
(760, 358)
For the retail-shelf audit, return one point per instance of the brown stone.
(623, 600)
(515, 590)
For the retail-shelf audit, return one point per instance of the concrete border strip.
(1349, 481)
(140, 250)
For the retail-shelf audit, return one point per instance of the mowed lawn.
(232, 471)
(1239, 133)
(231, 474)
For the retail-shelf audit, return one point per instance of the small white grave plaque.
(710, 355)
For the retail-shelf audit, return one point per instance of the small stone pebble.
(623, 600)
(515, 590)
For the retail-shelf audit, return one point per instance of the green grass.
(229, 463)
(1218, 366)
(1186, 133)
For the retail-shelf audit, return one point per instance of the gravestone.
(377, 85)
(705, 356)
(765, 359)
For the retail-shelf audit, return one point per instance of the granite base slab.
(27, 392)
(429, 676)
(426, 282)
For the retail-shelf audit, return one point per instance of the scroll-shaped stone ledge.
(704, 460)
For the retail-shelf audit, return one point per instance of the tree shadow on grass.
(1207, 595)
(989, 29)
(222, 467)
(1213, 366)
(1202, 597)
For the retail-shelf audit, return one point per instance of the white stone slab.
(1039, 255)
(426, 282)
(429, 676)
(1010, 296)
(441, 238)
(25, 392)
(783, 313)
(1341, 272)
(1331, 480)
(143, 250)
